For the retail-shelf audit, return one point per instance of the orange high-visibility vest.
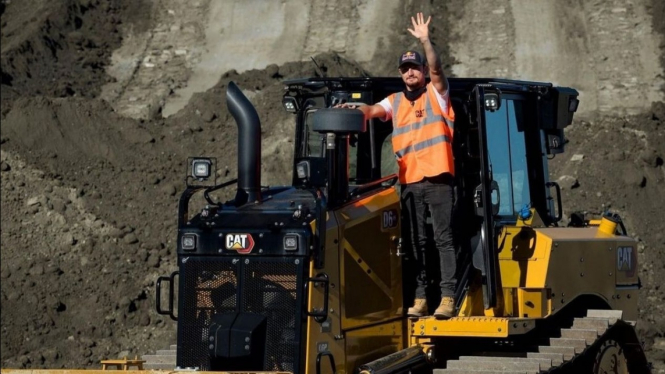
(422, 136)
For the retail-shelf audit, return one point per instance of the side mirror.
(312, 172)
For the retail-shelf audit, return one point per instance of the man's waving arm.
(421, 31)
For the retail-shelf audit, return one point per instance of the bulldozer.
(315, 277)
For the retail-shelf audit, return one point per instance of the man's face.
(413, 75)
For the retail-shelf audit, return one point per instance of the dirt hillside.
(104, 100)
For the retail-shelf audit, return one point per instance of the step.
(567, 352)
(166, 352)
(589, 336)
(565, 342)
(156, 359)
(173, 347)
(555, 358)
(609, 314)
(147, 366)
(464, 371)
(599, 325)
(532, 366)
(543, 363)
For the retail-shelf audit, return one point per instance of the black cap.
(411, 57)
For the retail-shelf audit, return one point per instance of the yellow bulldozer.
(314, 277)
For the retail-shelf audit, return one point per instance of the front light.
(188, 242)
(302, 169)
(572, 104)
(290, 104)
(201, 169)
(492, 102)
(291, 242)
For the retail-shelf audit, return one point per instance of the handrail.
(392, 179)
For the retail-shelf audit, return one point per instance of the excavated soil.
(90, 183)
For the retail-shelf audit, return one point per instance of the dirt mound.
(61, 48)
(658, 24)
(70, 275)
(616, 164)
(94, 203)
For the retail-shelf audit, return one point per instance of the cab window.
(507, 156)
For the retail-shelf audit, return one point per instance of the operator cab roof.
(395, 84)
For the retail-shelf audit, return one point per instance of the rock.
(68, 240)
(130, 239)
(116, 233)
(124, 302)
(36, 201)
(51, 355)
(577, 157)
(651, 158)
(195, 127)
(272, 71)
(5, 166)
(58, 206)
(208, 115)
(659, 343)
(37, 270)
(568, 182)
(633, 177)
(169, 190)
(24, 360)
(144, 320)
(153, 261)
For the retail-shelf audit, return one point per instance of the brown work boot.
(446, 309)
(418, 309)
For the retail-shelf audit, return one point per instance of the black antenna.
(321, 73)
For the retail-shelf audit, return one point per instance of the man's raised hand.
(420, 27)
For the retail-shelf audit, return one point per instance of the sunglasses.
(404, 69)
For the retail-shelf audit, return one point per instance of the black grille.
(271, 287)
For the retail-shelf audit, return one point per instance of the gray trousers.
(436, 195)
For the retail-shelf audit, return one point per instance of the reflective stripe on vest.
(431, 118)
(422, 145)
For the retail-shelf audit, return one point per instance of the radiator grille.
(271, 287)
(270, 290)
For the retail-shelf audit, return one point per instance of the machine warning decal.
(626, 260)
(242, 243)
(389, 219)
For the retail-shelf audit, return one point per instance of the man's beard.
(414, 85)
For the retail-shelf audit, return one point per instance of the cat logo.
(242, 243)
(626, 260)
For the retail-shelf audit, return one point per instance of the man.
(422, 141)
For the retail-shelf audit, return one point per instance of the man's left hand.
(420, 27)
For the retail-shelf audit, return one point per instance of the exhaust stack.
(249, 145)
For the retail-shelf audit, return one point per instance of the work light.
(201, 168)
